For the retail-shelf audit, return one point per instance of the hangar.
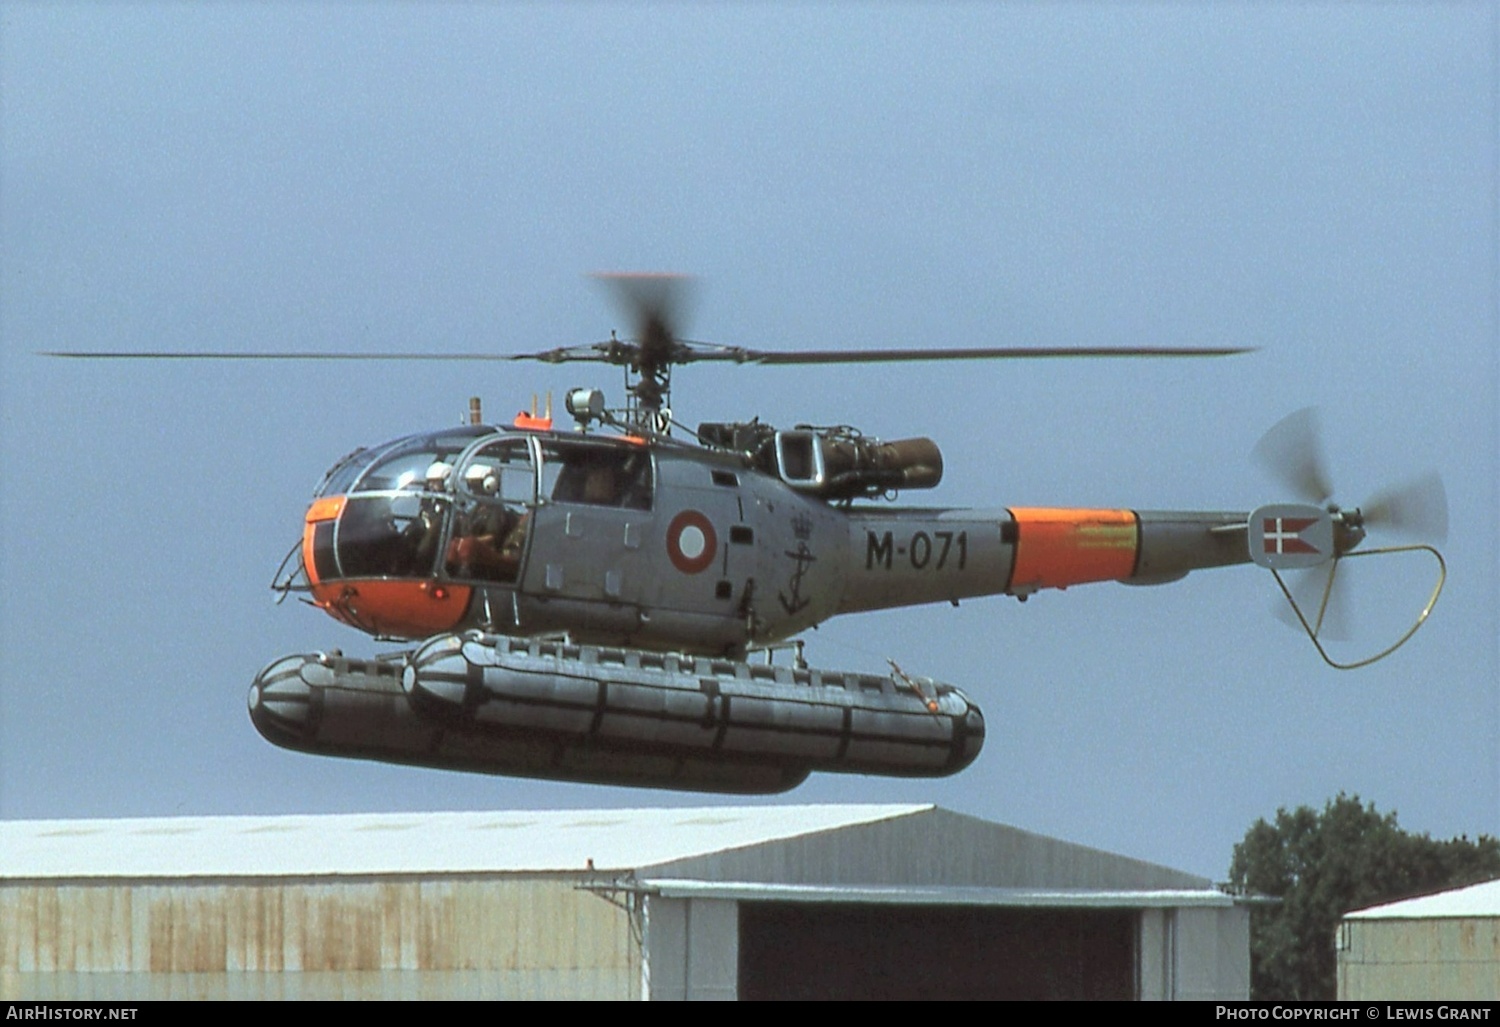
(894, 901)
(1436, 947)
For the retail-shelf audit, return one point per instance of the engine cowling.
(847, 466)
(831, 463)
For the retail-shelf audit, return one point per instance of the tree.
(1323, 865)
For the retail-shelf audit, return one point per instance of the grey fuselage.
(683, 548)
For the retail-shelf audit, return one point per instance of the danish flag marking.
(1284, 534)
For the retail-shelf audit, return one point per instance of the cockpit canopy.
(458, 503)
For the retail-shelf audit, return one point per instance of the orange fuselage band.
(1058, 548)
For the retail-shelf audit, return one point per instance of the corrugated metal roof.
(406, 843)
(936, 847)
(1475, 900)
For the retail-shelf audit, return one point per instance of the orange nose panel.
(402, 609)
(1058, 548)
(325, 509)
(322, 513)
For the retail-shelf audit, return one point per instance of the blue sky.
(1317, 181)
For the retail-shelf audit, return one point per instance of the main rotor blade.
(879, 356)
(1418, 508)
(687, 352)
(1292, 452)
(261, 355)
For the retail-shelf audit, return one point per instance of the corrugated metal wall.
(505, 937)
(1421, 958)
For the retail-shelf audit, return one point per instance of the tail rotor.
(1318, 538)
(1418, 509)
(1292, 453)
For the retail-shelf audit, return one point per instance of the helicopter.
(604, 602)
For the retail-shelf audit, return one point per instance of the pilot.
(419, 538)
(437, 476)
(487, 542)
(635, 482)
(601, 486)
(481, 480)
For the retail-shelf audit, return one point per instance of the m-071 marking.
(923, 550)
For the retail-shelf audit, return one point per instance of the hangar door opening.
(792, 950)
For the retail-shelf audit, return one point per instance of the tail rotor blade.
(1419, 508)
(1308, 588)
(1292, 452)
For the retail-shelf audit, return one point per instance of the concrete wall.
(1428, 958)
(508, 937)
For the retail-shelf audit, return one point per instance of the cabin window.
(597, 475)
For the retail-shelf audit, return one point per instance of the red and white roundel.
(691, 542)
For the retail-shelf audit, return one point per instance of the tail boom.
(904, 558)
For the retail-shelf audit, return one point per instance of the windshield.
(391, 535)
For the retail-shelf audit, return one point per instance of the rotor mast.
(655, 303)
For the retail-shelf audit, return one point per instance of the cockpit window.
(401, 497)
(495, 489)
(500, 471)
(406, 465)
(597, 475)
(337, 481)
